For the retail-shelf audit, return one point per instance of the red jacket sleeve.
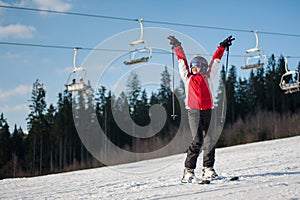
(217, 55)
(181, 55)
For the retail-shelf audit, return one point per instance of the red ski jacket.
(197, 90)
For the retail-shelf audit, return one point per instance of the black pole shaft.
(224, 96)
(173, 87)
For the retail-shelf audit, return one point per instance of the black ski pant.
(199, 121)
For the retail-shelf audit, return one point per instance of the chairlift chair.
(289, 81)
(138, 47)
(254, 57)
(76, 85)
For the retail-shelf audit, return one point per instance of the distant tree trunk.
(41, 154)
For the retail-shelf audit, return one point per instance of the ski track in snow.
(267, 170)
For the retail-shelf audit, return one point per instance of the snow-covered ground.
(267, 170)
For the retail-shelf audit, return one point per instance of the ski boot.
(209, 173)
(189, 176)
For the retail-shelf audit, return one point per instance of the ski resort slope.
(267, 170)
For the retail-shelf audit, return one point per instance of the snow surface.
(267, 170)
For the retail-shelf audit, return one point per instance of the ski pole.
(223, 102)
(173, 93)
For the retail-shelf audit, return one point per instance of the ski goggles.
(198, 64)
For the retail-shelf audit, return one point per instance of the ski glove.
(227, 42)
(173, 41)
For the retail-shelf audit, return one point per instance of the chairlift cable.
(68, 13)
(147, 21)
(100, 49)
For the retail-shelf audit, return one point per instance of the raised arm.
(182, 61)
(217, 56)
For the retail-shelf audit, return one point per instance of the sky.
(22, 65)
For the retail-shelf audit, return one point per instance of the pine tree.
(49, 139)
(231, 95)
(100, 102)
(242, 98)
(142, 110)
(165, 92)
(37, 126)
(165, 99)
(120, 122)
(257, 91)
(153, 99)
(18, 150)
(281, 103)
(220, 101)
(260, 88)
(57, 133)
(297, 98)
(5, 143)
(271, 84)
(18, 142)
(133, 88)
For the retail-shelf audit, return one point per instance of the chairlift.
(138, 48)
(289, 81)
(254, 57)
(76, 85)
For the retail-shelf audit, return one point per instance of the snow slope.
(267, 170)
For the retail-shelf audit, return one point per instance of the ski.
(204, 182)
(208, 181)
(191, 180)
(219, 178)
(233, 178)
(229, 178)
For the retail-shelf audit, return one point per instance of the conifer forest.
(257, 110)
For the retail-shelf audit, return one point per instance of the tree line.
(257, 110)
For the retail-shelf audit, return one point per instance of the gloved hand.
(227, 42)
(173, 41)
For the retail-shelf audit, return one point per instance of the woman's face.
(198, 67)
(195, 70)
